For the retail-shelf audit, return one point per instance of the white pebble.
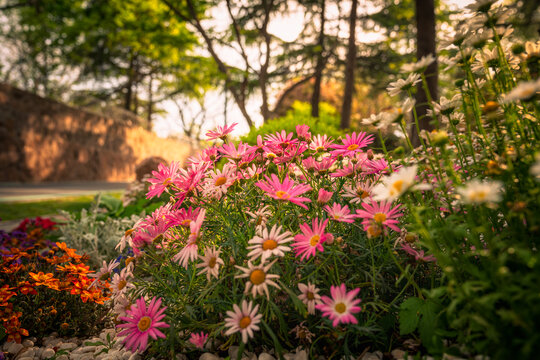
(62, 357)
(47, 353)
(28, 343)
(67, 346)
(266, 356)
(14, 348)
(209, 356)
(26, 358)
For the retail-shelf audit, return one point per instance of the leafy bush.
(94, 233)
(327, 123)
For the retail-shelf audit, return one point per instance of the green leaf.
(409, 315)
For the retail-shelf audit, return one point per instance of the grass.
(21, 210)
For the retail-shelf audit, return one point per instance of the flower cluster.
(40, 278)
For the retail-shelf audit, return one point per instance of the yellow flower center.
(362, 193)
(352, 147)
(479, 196)
(379, 217)
(269, 244)
(374, 231)
(144, 323)
(185, 223)
(129, 232)
(257, 277)
(220, 181)
(314, 240)
(104, 277)
(320, 148)
(397, 187)
(282, 194)
(167, 181)
(244, 322)
(122, 284)
(310, 295)
(340, 307)
(212, 262)
(336, 217)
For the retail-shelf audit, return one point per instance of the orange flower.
(26, 287)
(47, 280)
(79, 269)
(70, 252)
(6, 294)
(13, 268)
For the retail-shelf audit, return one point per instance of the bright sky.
(288, 28)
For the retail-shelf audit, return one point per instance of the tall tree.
(425, 45)
(315, 97)
(349, 69)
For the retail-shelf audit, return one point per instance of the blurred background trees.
(145, 56)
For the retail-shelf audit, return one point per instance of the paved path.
(14, 192)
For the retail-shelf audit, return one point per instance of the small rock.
(209, 356)
(84, 349)
(398, 354)
(51, 341)
(14, 348)
(28, 352)
(47, 353)
(66, 346)
(266, 356)
(371, 356)
(62, 357)
(99, 350)
(38, 352)
(26, 358)
(28, 343)
(134, 357)
(181, 357)
(300, 355)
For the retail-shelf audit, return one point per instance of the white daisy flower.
(394, 185)
(104, 273)
(525, 90)
(266, 244)
(309, 296)
(259, 278)
(120, 283)
(480, 192)
(396, 87)
(211, 263)
(419, 66)
(260, 216)
(243, 320)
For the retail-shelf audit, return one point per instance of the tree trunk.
(150, 103)
(425, 37)
(316, 96)
(349, 69)
(129, 85)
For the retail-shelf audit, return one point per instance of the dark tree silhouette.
(425, 37)
(349, 69)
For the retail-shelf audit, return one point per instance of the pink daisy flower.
(352, 143)
(286, 191)
(243, 320)
(162, 179)
(141, 322)
(280, 139)
(232, 152)
(324, 165)
(183, 217)
(302, 131)
(311, 239)
(379, 166)
(190, 251)
(320, 143)
(380, 214)
(341, 307)
(309, 296)
(418, 255)
(340, 213)
(220, 132)
(324, 196)
(198, 339)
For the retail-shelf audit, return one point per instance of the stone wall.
(44, 140)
